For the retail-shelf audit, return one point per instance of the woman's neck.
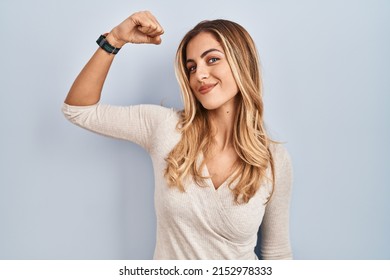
(222, 124)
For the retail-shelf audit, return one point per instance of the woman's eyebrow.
(208, 51)
(204, 54)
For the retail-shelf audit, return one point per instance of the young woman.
(218, 176)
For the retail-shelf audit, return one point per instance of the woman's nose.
(202, 73)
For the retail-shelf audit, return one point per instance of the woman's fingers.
(148, 29)
(151, 30)
(148, 24)
(139, 28)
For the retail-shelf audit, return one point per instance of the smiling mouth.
(206, 88)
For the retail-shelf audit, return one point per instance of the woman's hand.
(139, 28)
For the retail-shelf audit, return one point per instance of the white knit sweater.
(202, 222)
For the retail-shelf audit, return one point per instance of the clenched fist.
(139, 28)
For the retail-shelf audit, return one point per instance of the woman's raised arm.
(139, 28)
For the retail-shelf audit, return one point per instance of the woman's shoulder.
(282, 159)
(279, 152)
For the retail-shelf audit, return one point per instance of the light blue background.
(66, 193)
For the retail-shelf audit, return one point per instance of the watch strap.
(105, 45)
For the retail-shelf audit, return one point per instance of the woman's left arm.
(275, 236)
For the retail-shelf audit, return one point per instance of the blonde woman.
(218, 176)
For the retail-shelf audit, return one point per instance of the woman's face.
(211, 78)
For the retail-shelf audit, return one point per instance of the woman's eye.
(191, 69)
(213, 59)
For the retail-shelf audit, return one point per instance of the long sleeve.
(133, 123)
(275, 240)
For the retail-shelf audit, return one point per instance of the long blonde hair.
(250, 140)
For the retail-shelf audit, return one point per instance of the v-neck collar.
(205, 172)
(210, 181)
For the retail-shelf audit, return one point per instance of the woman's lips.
(206, 88)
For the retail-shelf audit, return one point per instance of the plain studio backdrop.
(66, 193)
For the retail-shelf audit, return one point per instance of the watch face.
(105, 45)
(101, 40)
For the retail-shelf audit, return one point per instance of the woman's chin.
(210, 106)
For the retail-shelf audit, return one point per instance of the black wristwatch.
(105, 45)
